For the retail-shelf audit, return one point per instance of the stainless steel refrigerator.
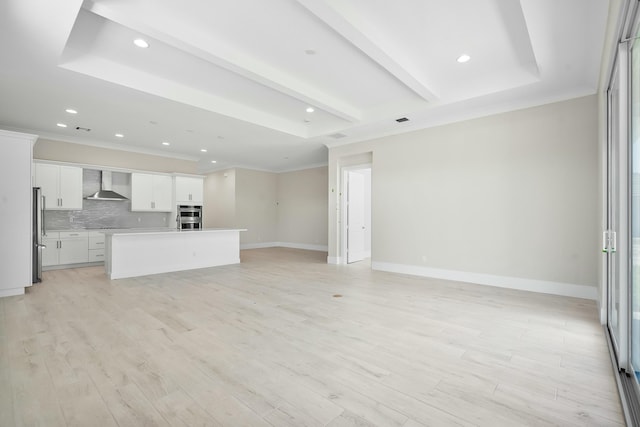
(37, 233)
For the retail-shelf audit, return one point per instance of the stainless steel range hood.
(105, 192)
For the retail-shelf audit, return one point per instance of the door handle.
(614, 241)
(609, 241)
(43, 227)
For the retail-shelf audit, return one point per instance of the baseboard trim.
(335, 260)
(305, 246)
(261, 245)
(66, 266)
(532, 285)
(11, 292)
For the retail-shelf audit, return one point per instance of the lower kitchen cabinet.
(96, 246)
(50, 253)
(65, 247)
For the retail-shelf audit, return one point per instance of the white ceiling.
(236, 77)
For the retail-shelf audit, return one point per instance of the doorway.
(356, 230)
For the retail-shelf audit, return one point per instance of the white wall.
(511, 196)
(302, 208)
(256, 196)
(61, 151)
(277, 209)
(219, 207)
(366, 173)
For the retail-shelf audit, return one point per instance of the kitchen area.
(72, 218)
(133, 222)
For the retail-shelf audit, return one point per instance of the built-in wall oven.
(189, 217)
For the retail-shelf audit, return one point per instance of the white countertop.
(146, 231)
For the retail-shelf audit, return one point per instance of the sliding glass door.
(621, 239)
(634, 181)
(615, 320)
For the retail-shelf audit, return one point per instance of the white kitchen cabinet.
(189, 190)
(151, 192)
(50, 251)
(16, 244)
(96, 246)
(65, 247)
(74, 247)
(61, 186)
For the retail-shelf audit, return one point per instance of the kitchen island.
(131, 253)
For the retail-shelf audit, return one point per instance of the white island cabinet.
(131, 253)
(151, 192)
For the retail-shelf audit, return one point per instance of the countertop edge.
(169, 231)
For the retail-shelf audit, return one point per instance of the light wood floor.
(268, 343)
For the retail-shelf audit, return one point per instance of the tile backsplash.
(103, 213)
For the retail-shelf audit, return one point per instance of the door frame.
(618, 212)
(343, 207)
(617, 206)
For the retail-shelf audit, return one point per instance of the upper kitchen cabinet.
(61, 186)
(151, 192)
(189, 190)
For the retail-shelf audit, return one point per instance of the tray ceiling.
(236, 78)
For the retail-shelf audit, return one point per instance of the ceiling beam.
(353, 35)
(222, 55)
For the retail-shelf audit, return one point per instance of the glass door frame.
(617, 233)
(617, 229)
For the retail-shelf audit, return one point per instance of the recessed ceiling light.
(141, 43)
(463, 58)
(310, 110)
(204, 150)
(61, 125)
(165, 143)
(119, 135)
(213, 161)
(71, 111)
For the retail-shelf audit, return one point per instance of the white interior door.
(355, 217)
